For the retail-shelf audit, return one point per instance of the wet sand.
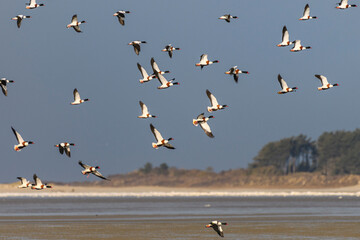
(123, 227)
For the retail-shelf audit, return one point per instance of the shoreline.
(11, 190)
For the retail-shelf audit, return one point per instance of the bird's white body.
(168, 48)
(202, 120)
(38, 184)
(165, 83)
(324, 82)
(344, 5)
(306, 14)
(24, 183)
(33, 5)
(144, 74)
(75, 23)
(136, 45)
(160, 141)
(284, 87)
(121, 16)
(227, 17)
(21, 143)
(214, 103)
(77, 98)
(204, 61)
(298, 47)
(90, 169)
(235, 72)
(145, 111)
(285, 38)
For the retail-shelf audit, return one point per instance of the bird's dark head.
(225, 106)
(336, 84)
(72, 144)
(211, 116)
(216, 61)
(170, 139)
(176, 83)
(31, 142)
(83, 21)
(97, 167)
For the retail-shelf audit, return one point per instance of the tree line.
(332, 153)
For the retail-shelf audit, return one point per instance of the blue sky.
(47, 61)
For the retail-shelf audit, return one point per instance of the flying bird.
(65, 147)
(216, 225)
(227, 17)
(89, 169)
(3, 84)
(144, 74)
(19, 18)
(24, 183)
(306, 14)
(344, 5)
(75, 24)
(38, 184)
(202, 120)
(32, 4)
(285, 38)
(298, 47)
(160, 140)
(77, 99)
(156, 68)
(21, 143)
(165, 83)
(325, 84)
(214, 103)
(121, 16)
(168, 48)
(204, 61)
(235, 72)
(145, 111)
(284, 86)
(136, 45)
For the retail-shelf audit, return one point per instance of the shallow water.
(180, 218)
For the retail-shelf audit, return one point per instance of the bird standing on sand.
(21, 143)
(75, 24)
(89, 169)
(216, 225)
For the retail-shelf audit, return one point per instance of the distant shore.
(11, 190)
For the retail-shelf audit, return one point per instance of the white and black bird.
(77, 99)
(214, 103)
(284, 86)
(168, 48)
(89, 169)
(156, 68)
(121, 16)
(325, 84)
(285, 38)
(204, 61)
(202, 120)
(24, 182)
(235, 72)
(144, 74)
(161, 142)
(227, 17)
(3, 84)
(21, 143)
(19, 19)
(306, 14)
(65, 147)
(32, 4)
(165, 83)
(344, 5)
(38, 184)
(144, 111)
(216, 225)
(75, 24)
(136, 45)
(298, 47)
